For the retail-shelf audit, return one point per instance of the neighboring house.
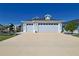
(75, 31)
(42, 25)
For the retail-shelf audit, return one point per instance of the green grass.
(4, 37)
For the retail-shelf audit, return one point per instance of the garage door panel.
(48, 28)
(29, 28)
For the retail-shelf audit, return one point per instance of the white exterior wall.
(35, 27)
(60, 27)
(24, 27)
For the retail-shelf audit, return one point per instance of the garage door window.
(55, 24)
(29, 24)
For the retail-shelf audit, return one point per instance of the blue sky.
(15, 13)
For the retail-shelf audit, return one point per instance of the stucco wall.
(24, 27)
(59, 27)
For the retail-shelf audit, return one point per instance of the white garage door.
(29, 28)
(48, 27)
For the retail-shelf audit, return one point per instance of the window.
(47, 23)
(55, 23)
(51, 23)
(29, 24)
(39, 24)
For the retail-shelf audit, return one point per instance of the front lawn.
(4, 37)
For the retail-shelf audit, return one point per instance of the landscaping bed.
(77, 35)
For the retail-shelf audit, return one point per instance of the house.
(42, 25)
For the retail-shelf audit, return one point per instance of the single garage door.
(48, 27)
(29, 28)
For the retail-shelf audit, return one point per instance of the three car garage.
(42, 26)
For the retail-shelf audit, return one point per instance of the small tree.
(11, 28)
(71, 26)
(1, 27)
(18, 28)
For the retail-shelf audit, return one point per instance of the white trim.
(24, 27)
(60, 27)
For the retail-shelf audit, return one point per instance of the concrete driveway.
(40, 44)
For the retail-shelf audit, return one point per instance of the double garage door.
(43, 28)
(48, 28)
